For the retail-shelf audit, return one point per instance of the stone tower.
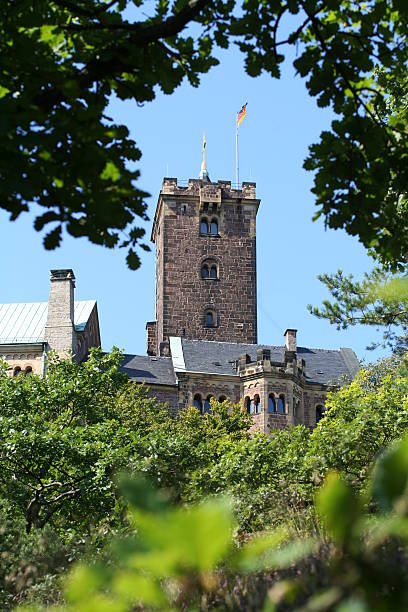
(205, 254)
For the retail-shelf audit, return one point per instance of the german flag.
(241, 114)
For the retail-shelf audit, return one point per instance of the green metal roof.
(25, 323)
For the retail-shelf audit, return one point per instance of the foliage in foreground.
(181, 557)
(61, 61)
(72, 425)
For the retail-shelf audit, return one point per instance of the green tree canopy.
(62, 60)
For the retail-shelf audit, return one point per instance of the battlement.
(195, 187)
(291, 366)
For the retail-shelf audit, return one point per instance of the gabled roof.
(25, 323)
(151, 370)
(322, 366)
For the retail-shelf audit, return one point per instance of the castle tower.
(205, 248)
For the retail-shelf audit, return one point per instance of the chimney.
(262, 355)
(59, 328)
(290, 340)
(151, 337)
(243, 360)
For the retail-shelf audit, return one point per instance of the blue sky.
(281, 122)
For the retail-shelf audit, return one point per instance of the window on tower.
(271, 403)
(204, 230)
(214, 227)
(210, 318)
(209, 269)
(257, 405)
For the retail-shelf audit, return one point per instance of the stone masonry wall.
(151, 333)
(182, 296)
(23, 360)
(165, 394)
(59, 328)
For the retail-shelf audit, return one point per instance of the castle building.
(28, 332)
(203, 341)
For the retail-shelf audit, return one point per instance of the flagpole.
(236, 152)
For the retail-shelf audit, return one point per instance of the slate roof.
(25, 323)
(322, 366)
(151, 370)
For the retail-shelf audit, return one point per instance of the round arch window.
(204, 229)
(214, 227)
(197, 403)
(209, 269)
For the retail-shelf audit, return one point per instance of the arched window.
(271, 403)
(281, 404)
(210, 318)
(222, 398)
(204, 226)
(257, 405)
(214, 227)
(207, 406)
(197, 403)
(28, 371)
(319, 413)
(209, 269)
(247, 404)
(17, 371)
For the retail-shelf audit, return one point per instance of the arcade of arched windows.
(202, 401)
(276, 404)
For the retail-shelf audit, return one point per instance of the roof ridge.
(42, 302)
